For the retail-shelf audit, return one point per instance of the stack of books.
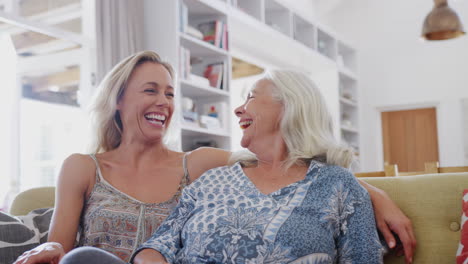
(215, 32)
(184, 63)
(212, 31)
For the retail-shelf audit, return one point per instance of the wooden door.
(410, 138)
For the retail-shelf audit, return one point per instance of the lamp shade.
(442, 23)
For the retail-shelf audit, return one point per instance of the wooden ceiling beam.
(60, 80)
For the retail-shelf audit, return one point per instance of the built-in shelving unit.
(250, 23)
(349, 95)
(252, 8)
(305, 32)
(278, 17)
(326, 44)
(199, 51)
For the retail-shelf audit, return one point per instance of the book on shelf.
(184, 63)
(215, 74)
(193, 32)
(224, 38)
(215, 32)
(183, 17)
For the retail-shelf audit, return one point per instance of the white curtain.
(9, 113)
(119, 30)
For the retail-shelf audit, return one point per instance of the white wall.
(465, 126)
(399, 70)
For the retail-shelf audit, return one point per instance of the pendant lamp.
(442, 23)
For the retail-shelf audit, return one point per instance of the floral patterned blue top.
(223, 218)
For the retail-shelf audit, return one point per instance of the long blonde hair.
(107, 126)
(306, 125)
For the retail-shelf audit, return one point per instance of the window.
(46, 77)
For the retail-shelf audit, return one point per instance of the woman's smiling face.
(260, 115)
(147, 104)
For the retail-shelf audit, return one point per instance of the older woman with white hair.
(292, 201)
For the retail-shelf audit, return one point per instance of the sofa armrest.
(25, 202)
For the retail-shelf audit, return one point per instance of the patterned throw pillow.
(21, 233)
(462, 253)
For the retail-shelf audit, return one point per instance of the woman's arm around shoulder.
(390, 219)
(205, 158)
(75, 178)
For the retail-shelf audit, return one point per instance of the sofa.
(432, 201)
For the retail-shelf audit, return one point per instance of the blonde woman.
(121, 194)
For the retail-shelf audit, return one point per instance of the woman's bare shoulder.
(78, 168)
(78, 160)
(203, 159)
(213, 157)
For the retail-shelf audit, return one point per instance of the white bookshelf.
(326, 44)
(199, 47)
(198, 92)
(168, 22)
(346, 57)
(348, 94)
(278, 17)
(253, 8)
(282, 34)
(304, 32)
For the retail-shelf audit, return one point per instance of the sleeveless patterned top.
(118, 223)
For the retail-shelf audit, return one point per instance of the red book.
(212, 32)
(214, 73)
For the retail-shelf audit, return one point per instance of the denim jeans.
(90, 255)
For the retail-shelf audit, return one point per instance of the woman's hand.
(149, 256)
(50, 252)
(390, 219)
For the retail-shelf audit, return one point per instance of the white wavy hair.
(106, 124)
(306, 125)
